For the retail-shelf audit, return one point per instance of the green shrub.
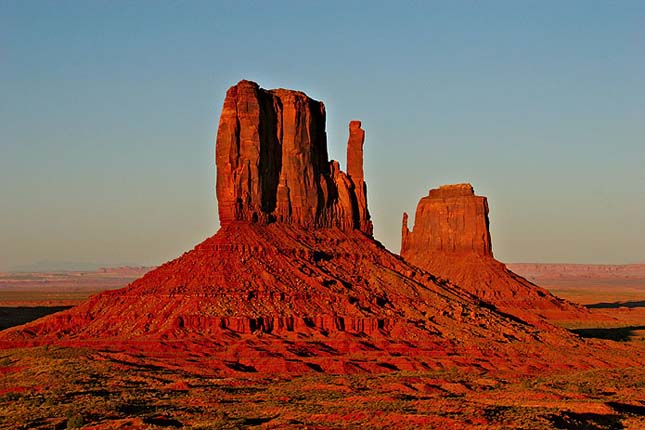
(75, 421)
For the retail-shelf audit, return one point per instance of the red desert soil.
(293, 316)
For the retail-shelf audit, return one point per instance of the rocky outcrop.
(272, 163)
(451, 239)
(449, 220)
(270, 292)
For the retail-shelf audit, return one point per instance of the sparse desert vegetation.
(57, 387)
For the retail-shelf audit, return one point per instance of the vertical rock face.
(355, 172)
(449, 220)
(272, 163)
(355, 151)
(451, 239)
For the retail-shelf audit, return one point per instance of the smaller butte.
(451, 239)
(450, 220)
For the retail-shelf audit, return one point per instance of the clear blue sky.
(108, 116)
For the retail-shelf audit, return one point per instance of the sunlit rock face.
(451, 239)
(449, 220)
(272, 163)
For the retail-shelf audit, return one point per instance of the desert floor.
(61, 387)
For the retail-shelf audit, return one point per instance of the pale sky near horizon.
(108, 116)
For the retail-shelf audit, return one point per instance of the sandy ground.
(55, 387)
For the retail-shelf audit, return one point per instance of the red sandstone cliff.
(449, 220)
(451, 239)
(272, 163)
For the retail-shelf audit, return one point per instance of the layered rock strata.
(449, 220)
(272, 163)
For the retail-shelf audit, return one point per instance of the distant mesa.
(451, 239)
(546, 271)
(55, 266)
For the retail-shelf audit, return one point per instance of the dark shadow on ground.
(586, 421)
(626, 408)
(619, 334)
(606, 305)
(13, 316)
(162, 421)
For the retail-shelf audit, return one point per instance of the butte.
(451, 239)
(294, 282)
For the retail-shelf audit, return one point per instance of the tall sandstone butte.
(272, 163)
(451, 239)
(291, 283)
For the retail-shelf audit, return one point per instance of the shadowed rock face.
(272, 163)
(450, 220)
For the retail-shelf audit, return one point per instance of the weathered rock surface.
(291, 283)
(355, 172)
(449, 220)
(451, 239)
(272, 163)
(280, 298)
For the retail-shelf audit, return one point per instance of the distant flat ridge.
(586, 271)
